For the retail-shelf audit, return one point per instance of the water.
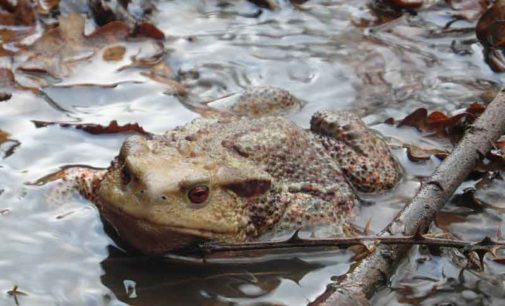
(57, 253)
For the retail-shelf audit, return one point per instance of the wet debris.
(96, 129)
(7, 145)
(469, 10)
(113, 54)
(490, 31)
(449, 127)
(4, 96)
(440, 123)
(274, 4)
(15, 293)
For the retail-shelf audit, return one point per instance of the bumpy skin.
(258, 102)
(262, 177)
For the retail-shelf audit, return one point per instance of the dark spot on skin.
(250, 188)
(191, 137)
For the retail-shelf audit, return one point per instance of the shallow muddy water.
(57, 252)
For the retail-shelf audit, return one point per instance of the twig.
(295, 241)
(357, 286)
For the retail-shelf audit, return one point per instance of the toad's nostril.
(126, 176)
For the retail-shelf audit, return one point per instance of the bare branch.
(356, 287)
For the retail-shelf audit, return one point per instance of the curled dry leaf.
(96, 129)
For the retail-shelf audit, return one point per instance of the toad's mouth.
(152, 238)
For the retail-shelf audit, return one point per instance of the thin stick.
(296, 241)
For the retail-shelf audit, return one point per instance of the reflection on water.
(157, 281)
(57, 253)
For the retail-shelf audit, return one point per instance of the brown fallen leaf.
(415, 153)
(60, 48)
(22, 14)
(415, 119)
(147, 29)
(452, 128)
(441, 123)
(490, 31)
(96, 129)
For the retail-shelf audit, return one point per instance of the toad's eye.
(198, 194)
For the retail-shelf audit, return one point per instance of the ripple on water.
(58, 253)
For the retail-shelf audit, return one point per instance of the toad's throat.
(115, 214)
(151, 238)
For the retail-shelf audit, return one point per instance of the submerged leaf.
(60, 48)
(115, 53)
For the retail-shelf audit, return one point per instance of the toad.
(237, 178)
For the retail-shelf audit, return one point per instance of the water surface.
(57, 253)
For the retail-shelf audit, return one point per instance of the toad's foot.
(359, 151)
